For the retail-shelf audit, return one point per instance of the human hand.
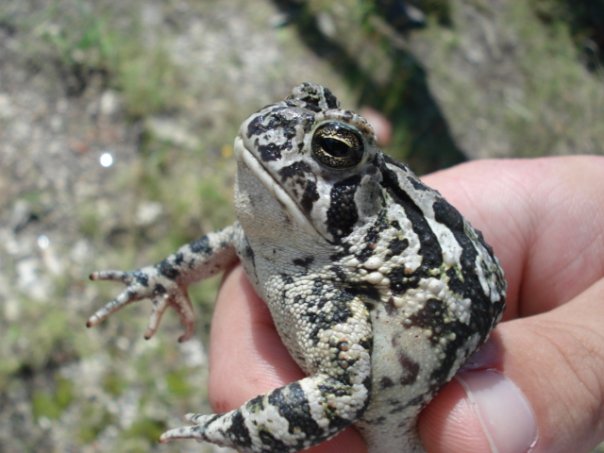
(545, 220)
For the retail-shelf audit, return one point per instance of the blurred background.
(116, 127)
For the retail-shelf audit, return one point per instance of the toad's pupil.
(335, 147)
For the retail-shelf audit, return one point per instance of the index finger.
(544, 219)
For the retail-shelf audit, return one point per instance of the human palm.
(545, 221)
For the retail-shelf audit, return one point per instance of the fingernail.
(505, 414)
(487, 356)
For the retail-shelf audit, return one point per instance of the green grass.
(561, 97)
(53, 402)
(538, 98)
(89, 44)
(40, 344)
(93, 46)
(585, 22)
(94, 418)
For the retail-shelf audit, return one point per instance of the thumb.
(543, 391)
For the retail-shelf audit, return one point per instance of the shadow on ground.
(422, 136)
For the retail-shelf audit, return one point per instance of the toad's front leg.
(166, 282)
(311, 410)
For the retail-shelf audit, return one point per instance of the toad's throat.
(246, 157)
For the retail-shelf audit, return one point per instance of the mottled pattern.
(378, 287)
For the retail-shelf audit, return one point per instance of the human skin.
(545, 221)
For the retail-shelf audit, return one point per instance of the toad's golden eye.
(337, 145)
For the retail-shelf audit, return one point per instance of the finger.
(247, 357)
(549, 389)
(543, 218)
(244, 343)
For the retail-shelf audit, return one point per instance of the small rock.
(148, 212)
(326, 24)
(169, 131)
(109, 104)
(29, 281)
(6, 106)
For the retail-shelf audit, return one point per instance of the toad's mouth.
(246, 157)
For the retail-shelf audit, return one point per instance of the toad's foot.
(166, 282)
(288, 419)
(189, 432)
(147, 283)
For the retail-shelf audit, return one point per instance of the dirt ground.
(116, 127)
